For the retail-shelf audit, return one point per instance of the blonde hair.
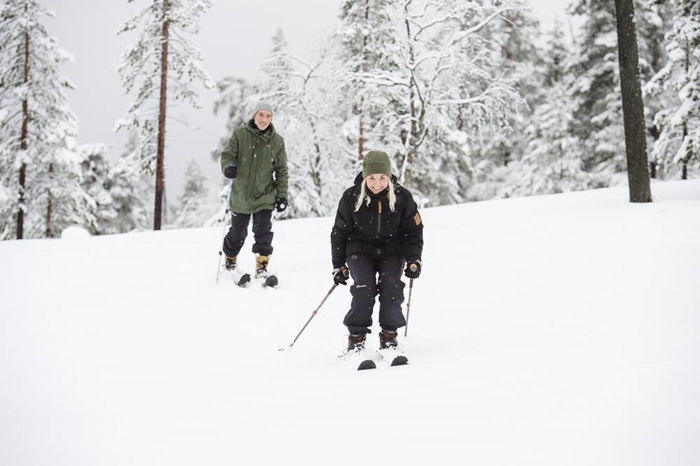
(365, 197)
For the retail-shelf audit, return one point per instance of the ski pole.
(313, 314)
(408, 303)
(228, 203)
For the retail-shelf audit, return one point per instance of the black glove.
(231, 172)
(281, 204)
(412, 269)
(340, 275)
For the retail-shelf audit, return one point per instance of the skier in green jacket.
(256, 162)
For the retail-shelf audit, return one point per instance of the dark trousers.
(372, 277)
(262, 233)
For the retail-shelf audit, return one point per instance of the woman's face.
(377, 183)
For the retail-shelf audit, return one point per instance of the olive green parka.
(262, 168)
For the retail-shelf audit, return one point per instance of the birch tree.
(435, 63)
(162, 67)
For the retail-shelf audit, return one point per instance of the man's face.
(262, 119)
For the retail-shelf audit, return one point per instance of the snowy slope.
(554, 330)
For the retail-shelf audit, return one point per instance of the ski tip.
(399, 361)
(271, 281)
(366, 364)
(244, 280)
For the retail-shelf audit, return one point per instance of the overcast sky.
(235, 37)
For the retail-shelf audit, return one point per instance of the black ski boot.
(387, 339)
(356, 343)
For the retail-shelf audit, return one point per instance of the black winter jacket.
(375, 230)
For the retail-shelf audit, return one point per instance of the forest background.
(474, 100)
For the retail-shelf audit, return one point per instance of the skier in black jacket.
(377, 232)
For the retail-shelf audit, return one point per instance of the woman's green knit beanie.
(376, 162)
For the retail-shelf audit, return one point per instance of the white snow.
(75, 232)
(554, 330)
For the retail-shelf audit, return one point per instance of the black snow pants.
(364, 270)
(262, 233)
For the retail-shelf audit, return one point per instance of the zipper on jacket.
(251, 175)
(379, 217)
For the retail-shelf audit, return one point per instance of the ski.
(393, 357)
(270, 281)
(399, 360)
(366, 364)
(243, 280)
(362, 355)
(371, 359)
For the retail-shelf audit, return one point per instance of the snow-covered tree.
(96, 183)
(367, 39)
(514, 40)
(233, 95)
(195, 207)
(596, 90)
(653, 22)
(163, 67)
(553, 160)
(424, 66)
(40, 172)
(306, 113)
(129, 188)
(678, 145)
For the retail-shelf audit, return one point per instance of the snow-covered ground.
(555, 330)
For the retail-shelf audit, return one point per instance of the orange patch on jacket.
(416, 218)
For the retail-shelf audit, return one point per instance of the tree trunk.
(632, 103)
(365, 69)
(49, 207)
(413, 136)
(160, 160)
(23, 144)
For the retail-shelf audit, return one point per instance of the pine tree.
(500, 147)
(554, 159)
(653, 23)
(596, 91)
(598, 111)
(194, 209)
(164, 67)
(129, 188)
(368, 44)
(39, 169)
(678, 145)
(95, 181)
